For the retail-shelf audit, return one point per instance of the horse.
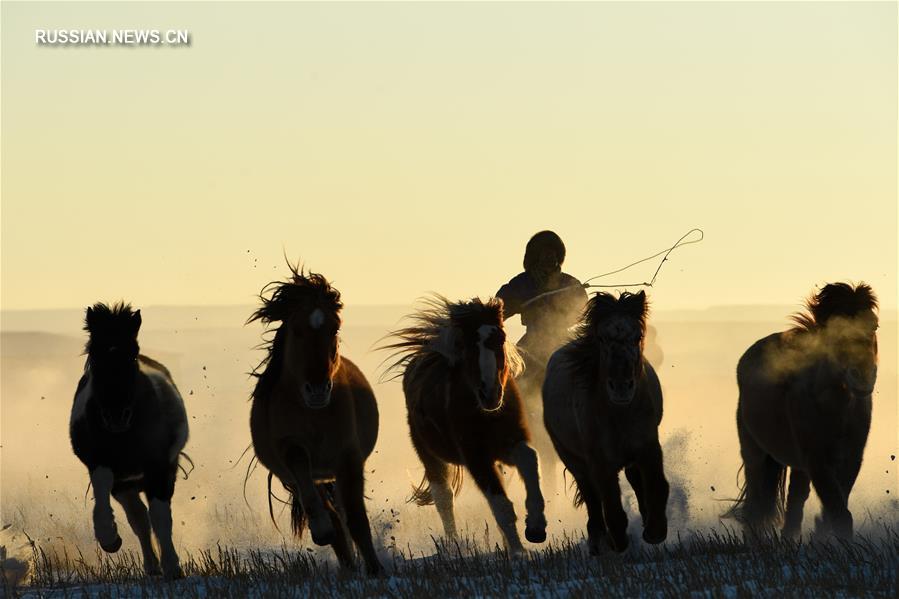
(805, 404)
(128, 426)
(464, 410)
(602, 406)
(314, 418)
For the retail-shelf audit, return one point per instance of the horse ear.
(642, 296)
(636, 304)
(136, 321)
(89, 318)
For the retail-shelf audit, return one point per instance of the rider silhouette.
(549, 300)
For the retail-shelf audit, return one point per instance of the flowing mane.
(583, 355)
(835, 299)
(105, 318)
(287, 297)
(433, 329)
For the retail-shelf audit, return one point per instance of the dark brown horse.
(314, 419)
(602, 404)
(464, 409)
(128, 426)
(805, 403)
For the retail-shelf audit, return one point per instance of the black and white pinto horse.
(128, 426)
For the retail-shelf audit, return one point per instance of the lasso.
(664, 253)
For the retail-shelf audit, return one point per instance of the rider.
(549, 300)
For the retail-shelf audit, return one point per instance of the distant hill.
(174, 318)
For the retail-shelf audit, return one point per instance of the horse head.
(611, 334)
(474, 340)
(845, 317)
(112, 352)
(306, 342)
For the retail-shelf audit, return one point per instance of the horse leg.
(139, 519)
(834, 500)
(655, 491)
(596, 526)
(485, 475)
(531, 392)
(296, 459)
(105, 529)
(524, 458)
(633, 477)
(351, 482)
(341, 544)
(160, 486)
(437, 473)
(764, 477)
(613, 512)
(796, 497)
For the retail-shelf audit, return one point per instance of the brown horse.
(602, 405)
(314, 419)
(805, 403)
(464, 409)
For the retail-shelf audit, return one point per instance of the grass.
(713, 564)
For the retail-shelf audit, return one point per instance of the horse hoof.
(324, 538)
(535, 535)
(618, 545)
(375, 570)
(654, 537)
(112, 547)
(177, 574)
(153, 571)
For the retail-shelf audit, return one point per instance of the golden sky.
(404, 148)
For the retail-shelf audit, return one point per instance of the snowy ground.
(717, 564)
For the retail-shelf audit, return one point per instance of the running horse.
(805, 404)
(128, 426)
(314, 419)
(464, 410)
(602, 405)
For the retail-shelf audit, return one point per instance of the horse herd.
(804, 404)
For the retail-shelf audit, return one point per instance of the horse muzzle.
(621, 392)
(861, 383)
(490, 400)
(317, 396)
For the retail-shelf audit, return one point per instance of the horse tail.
(738, 510)
(578, 496)
(782, 493)
(421, 494)
(184, 471)
(297, 513)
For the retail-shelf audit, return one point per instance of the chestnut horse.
(602, 405)
(314, 419)
(805, 403)
(464, 409)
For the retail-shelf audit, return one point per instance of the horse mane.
(286, 298)
(835, 299)
(583, 356)
(107, 317)
(433, 329)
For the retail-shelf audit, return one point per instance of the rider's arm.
(511, 303)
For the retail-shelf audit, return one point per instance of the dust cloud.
(43, 487)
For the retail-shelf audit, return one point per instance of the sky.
(405, 148)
